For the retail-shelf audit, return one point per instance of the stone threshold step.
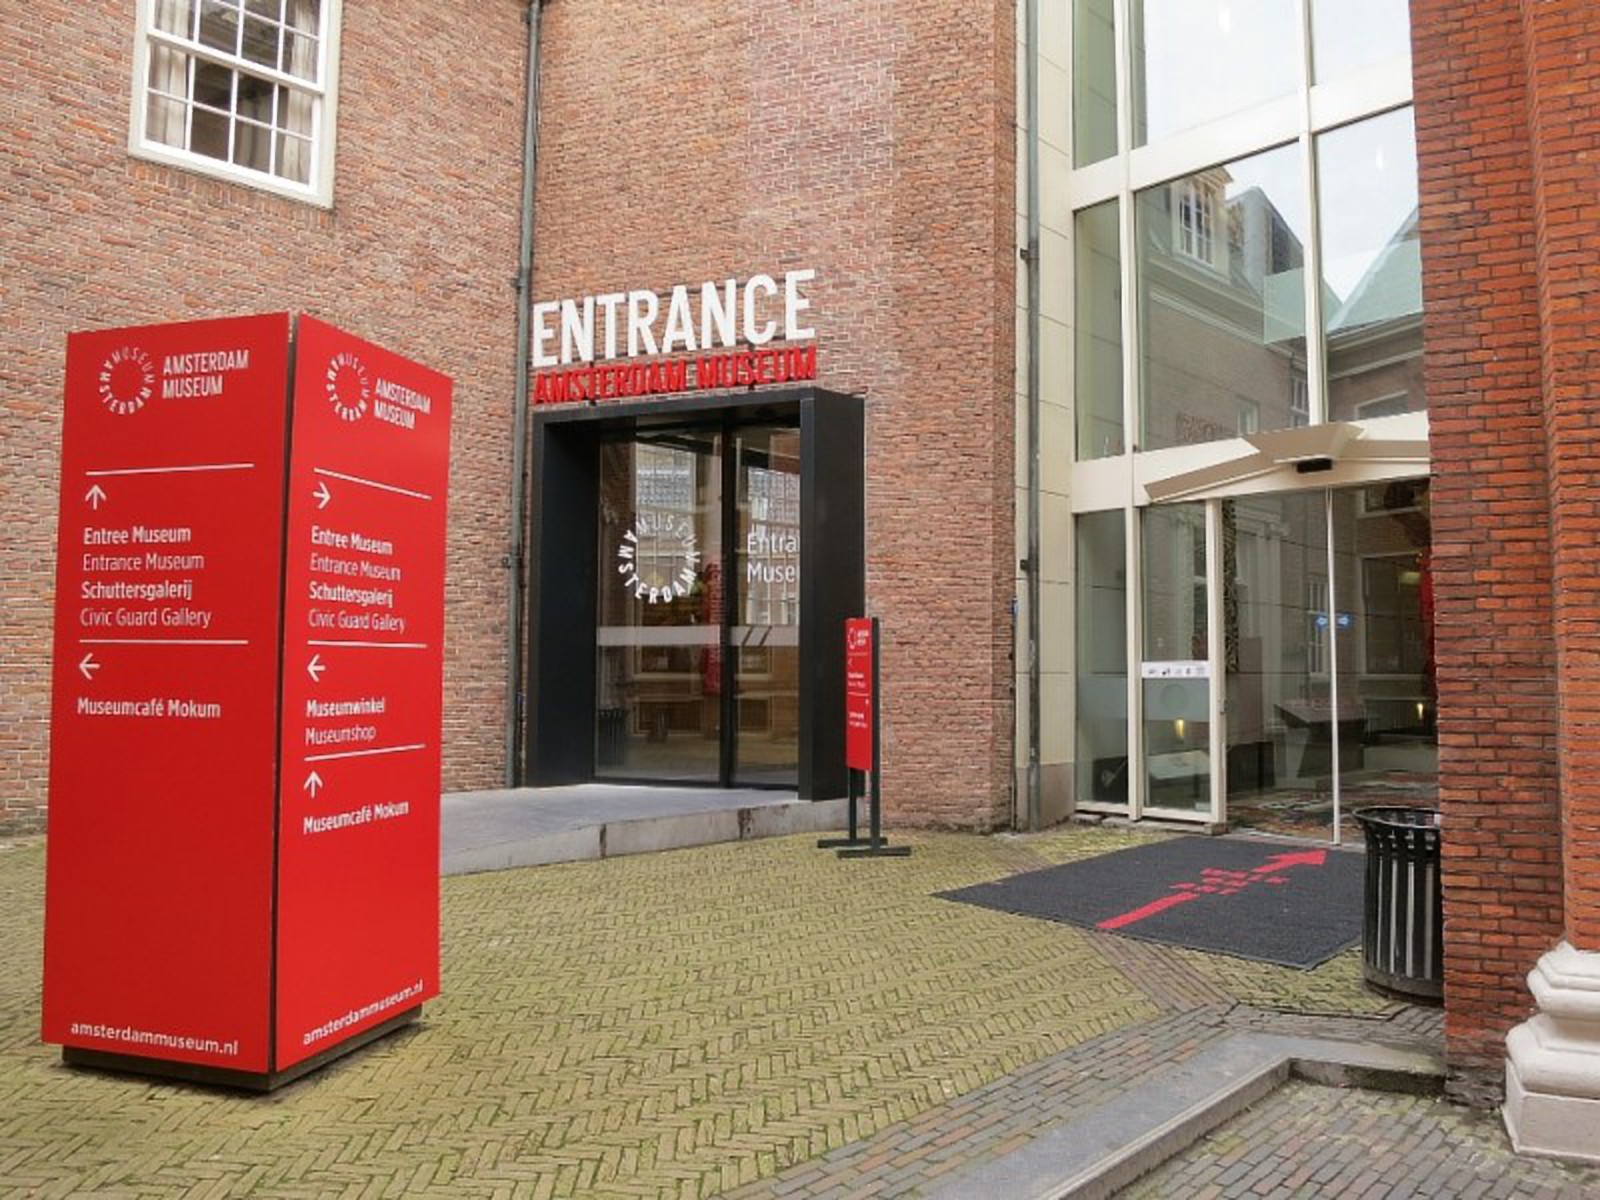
(1111, 1145)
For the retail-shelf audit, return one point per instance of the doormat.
(1290, 905)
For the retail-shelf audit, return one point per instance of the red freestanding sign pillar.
(242, 868)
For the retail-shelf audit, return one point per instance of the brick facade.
(418, 253)
(1508, 125)
(872, 141)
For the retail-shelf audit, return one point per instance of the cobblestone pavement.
(675, 1024)
(1305, 1140)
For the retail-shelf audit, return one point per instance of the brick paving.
(760, 1016)
(1306, 1140)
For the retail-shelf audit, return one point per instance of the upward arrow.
(312, 783)
(95, 497)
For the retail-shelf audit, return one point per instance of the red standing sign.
(858, 698)
(195, 886)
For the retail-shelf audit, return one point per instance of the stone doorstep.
(646, 834)
(1111, 1145)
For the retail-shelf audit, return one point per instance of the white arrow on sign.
(312, 783)
(315, 668)
(88, 666)
(322, 494)
(95, 497)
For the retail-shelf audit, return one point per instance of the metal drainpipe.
(519, 410)
(1031, 36)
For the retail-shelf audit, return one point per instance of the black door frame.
(558, 732)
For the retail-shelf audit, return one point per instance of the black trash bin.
(1403, 938)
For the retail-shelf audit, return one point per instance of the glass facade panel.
(1198, 60)
(1388, 698)
(1098, 336)
(1371, 268)
(1173, 672)
(1094, 81)
(1347, 35)
(1222, 301)
(1101, 602)
(1278, 663)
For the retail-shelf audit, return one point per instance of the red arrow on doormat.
(1229, 883)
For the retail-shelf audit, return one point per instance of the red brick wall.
(418, 253)
(874, 141)
(1506, 110)
(1563, 39)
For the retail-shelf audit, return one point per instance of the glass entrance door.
(659, 633)
(698, 628)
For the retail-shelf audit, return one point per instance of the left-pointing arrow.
(312, 783)
(88, 666)
(95, 497)
(315, 668)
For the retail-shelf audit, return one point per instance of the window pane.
(1102, 652)
(1222, 297)
(261, 42)
(1371, 268)
(169, 71)
(1197, 60)
(213, 85)
(174, 16)
(1098, 336)
(1347, 35)
(299, 56)
(164, 121)
(219, 25)
(1094, 94)
(1176, 691)
(294, 158)
(304, 16)
(209, 134)
(272, 9)
(252, 146)
(255, 98)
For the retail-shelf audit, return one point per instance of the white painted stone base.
(1553, 1061)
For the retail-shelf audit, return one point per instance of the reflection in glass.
(1222, 293)
(1100, 601)
(659, 634)
(766, 588)
(1279, 663)
(1175, 647)
(1094, 82)
(1384, 574)
(1347, 35)
(1098, 336)
(1371, 268)
(1198, 60)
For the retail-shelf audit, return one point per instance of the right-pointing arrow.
(312, 783)
(322, 494)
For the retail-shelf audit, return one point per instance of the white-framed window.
(1197, 220)
(240, 89)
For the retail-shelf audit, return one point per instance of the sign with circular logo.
(659, 557)
(349, 388)
(127, 380)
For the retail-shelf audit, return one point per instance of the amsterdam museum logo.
(348, 386)
(659, 557)
(127, 380)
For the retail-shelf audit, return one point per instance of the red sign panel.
(159, 883)
(358, 919)
(858, 697)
